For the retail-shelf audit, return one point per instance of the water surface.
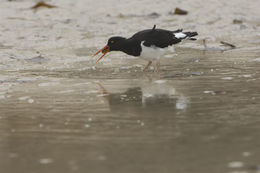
(62, 112)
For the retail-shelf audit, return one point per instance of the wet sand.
(62, 112)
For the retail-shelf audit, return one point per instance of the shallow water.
(62, 112)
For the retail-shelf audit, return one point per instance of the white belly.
(154, 53)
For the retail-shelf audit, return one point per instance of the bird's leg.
(148, 76)
(156, 69)
(204, 43)
(149, 63)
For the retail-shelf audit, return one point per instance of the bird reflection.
(147, 95)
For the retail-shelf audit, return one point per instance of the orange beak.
(104, 50)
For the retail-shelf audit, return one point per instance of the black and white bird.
(149, 44)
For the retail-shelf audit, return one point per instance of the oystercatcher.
(149, 44)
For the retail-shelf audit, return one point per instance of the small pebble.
(102, 158)
(227, 78)
(235, 164)
(247, 75)
(12, 155)
(246, 154)
(160, 81)
(256, 59)
(45, 161)
(209, 92)
(30, 101)
(23, 98)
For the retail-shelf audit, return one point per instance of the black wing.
(157, 37)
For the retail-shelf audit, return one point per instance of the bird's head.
(113, 44)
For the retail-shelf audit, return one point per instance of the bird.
(149, 44)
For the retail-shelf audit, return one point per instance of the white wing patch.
(180, 35)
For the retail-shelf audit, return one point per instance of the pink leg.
(156, 69)
(149, 63)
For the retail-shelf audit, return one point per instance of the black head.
(115, 43)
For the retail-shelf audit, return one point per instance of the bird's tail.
(189, 35)
(184, 35)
